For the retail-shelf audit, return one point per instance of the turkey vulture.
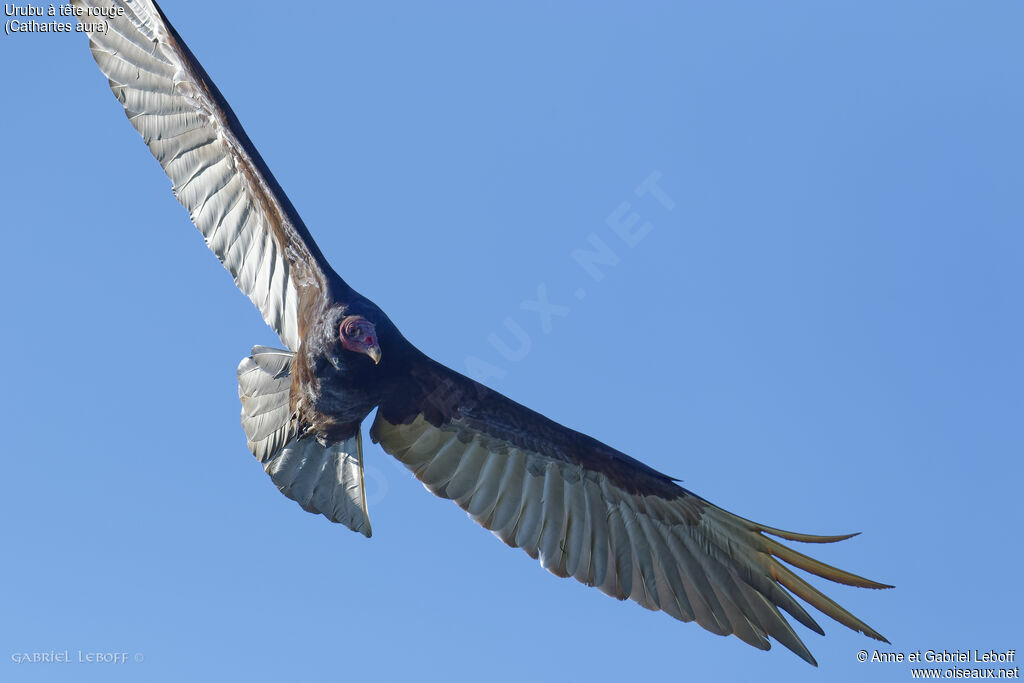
(582, 508)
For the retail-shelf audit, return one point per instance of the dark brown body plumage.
(583, 508)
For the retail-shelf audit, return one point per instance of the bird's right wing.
(217, 174)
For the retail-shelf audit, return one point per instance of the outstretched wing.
(216, 171)
(590, 512)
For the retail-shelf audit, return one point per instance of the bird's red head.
(360, 335)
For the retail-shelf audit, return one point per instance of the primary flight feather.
(582, 508)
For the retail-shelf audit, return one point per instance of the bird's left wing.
(217, 174)
(590, 512)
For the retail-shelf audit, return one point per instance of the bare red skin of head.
(359, 334)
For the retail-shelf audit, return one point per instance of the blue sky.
(826, 327)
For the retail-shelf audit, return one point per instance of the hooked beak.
(374, 353)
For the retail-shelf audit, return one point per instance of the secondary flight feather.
(581, 507)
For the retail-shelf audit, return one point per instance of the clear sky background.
(825, 332)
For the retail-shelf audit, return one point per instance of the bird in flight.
(582, 508)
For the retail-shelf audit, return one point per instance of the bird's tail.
(322, 478)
